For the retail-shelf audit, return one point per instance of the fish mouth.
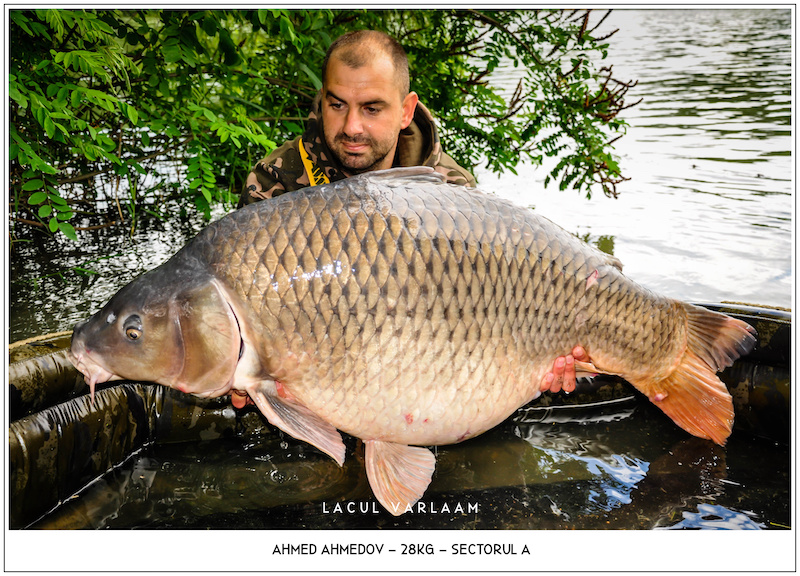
(93, 372)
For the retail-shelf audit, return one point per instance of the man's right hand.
(562, 376)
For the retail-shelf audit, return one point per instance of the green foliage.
(563, 105)
(100, 97)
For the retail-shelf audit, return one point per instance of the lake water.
(707, 216)
(707, 213)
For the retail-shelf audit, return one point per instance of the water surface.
(707, 212)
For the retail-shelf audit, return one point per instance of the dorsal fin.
(413, 173)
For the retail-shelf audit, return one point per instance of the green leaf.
(53, 225)
(45, 211)
(57, 200)
(209, 26)
(172, 53)
(312, 76)
(17, 96)
(32, 185)
(37, 198)
(155, 214)
(49, 127)
(79, 269)
(130, 112)
(67, 229)
(202, 205)
(20, 20)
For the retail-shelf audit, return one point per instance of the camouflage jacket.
(287, 168)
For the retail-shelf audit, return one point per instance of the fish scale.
(431, 258)
(405, 312)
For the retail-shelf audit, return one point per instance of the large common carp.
(407, 313)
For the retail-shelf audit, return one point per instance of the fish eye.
(133, 327)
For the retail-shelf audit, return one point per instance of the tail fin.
(692, 395)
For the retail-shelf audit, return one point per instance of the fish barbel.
(405, 312)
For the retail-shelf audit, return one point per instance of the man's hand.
(562, 376)
(240, 399)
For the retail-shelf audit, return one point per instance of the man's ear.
(409, 105)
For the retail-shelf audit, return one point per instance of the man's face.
(363, 112)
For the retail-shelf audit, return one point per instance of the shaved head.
(365, 100)
(356, 49)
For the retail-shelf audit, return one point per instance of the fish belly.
(419, 313)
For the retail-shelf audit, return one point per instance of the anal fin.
(586, 368)
(398, 474)
(695, 398)
(298, 421)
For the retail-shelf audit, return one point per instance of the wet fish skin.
(407, 313)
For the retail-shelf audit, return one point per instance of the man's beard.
(374, 154)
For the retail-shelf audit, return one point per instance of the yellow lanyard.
(316, 175)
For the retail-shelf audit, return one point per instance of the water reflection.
(613, 476)
(712, 517)
(47, 294)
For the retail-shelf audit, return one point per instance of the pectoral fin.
(583, 369)
(298, 421)
(398, 474)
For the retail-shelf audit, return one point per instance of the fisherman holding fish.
(397, 308)
(366, 118)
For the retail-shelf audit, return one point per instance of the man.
(366, 118)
